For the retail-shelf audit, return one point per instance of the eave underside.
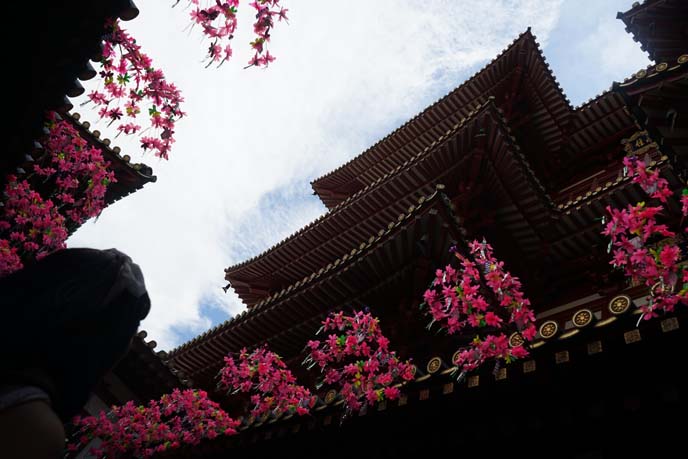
(661, 27)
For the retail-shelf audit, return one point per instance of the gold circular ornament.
(619, 304)
(434, 364)
(516, 339)
(683, 58)
(582, 318)
(640, 74)
(658, 289)
(330, 396)
(455, 357)
(549, 329)
(661, 67)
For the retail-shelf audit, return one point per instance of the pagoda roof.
(600, 121)
(50, 65)
(658, 98)
(661, 27)
(480, 143)
(130, 176)
(288, 317)
(519, 68)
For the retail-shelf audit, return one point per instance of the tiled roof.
(660, 26)
(523, 55)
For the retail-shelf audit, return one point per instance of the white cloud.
(610, 52)
(346, 74)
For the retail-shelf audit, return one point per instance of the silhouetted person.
(66, 320)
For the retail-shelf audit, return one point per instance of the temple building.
(506, 157)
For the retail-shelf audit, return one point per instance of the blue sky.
(238, 178)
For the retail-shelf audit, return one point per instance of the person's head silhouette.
(66, 320)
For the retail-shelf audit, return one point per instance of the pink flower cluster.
(78, 170)
(649, 180)
(73, 178)
(463, 301)
(182, 417)
(130, 81)
(356, 357)
(632, 232)
(218, 21)
(272, 385)
(30, 226)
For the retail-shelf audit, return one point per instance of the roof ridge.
(105, 145)
(653, 70)
(635, 8)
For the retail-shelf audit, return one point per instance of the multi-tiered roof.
(504, 155)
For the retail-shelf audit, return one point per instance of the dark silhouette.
(67, 319)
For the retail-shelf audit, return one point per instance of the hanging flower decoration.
(72, 180)
(482, 300)
(77, 170)
(355, 356)
(632, 232)
(180, 418)
(272, 386)
(30, 226)
(266, 11)
(218, 21)
(131, 86)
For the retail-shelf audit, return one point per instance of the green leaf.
(123, 79)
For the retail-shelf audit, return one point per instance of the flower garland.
(218, 22)
(272, 384)
(33, 225)
(130, 81)
(182, 417)
(457, 301)
(356, 357)
(632, 231)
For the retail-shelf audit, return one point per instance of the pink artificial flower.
(669, 255)
(391, 393)
(519, 352)
(492, 319)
